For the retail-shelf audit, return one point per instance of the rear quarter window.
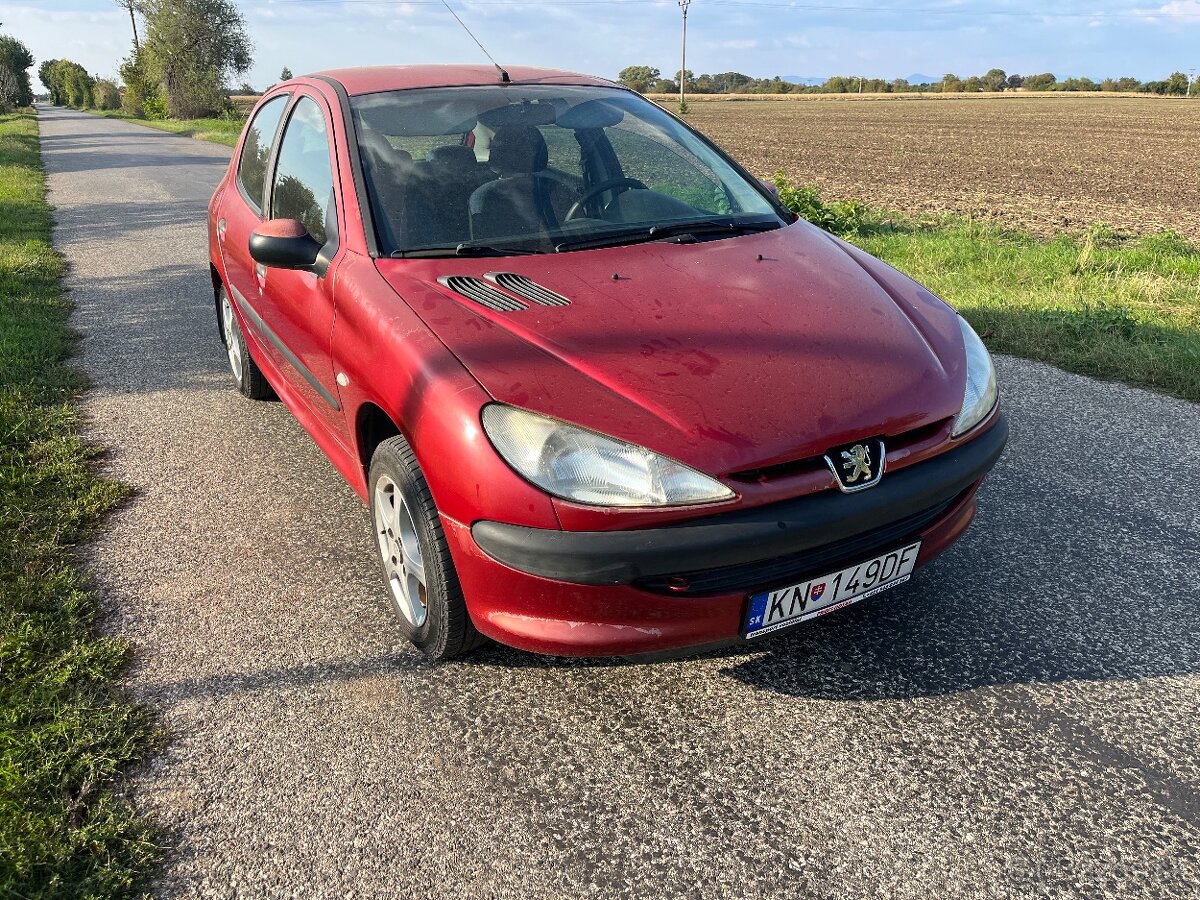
(260, 137)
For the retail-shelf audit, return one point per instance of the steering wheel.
(611, 184)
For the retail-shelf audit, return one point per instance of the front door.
(297, 308)
(240, 214)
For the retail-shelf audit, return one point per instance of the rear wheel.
(246, 374)
(417, 568)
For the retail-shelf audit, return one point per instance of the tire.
(246, 374)
(426, 597)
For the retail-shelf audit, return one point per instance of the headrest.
(518, 150)
(452, 158)
(380, 151)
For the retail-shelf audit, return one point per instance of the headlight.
(580, 465)
(980, 395)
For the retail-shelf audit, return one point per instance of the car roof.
(371, 79)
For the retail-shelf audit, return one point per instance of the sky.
(761, 38)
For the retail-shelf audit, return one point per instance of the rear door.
(297, 308)
(243, 211)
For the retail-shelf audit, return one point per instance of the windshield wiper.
(667, 231)
(450, 250)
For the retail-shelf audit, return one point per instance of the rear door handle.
(221, 226)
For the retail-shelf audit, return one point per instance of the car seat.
(525, 198)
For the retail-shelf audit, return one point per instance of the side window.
(303, 185)
(252, 164)
(666, 167)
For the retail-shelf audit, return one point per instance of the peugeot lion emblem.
(856, 467)
(857, 462)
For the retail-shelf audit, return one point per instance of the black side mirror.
(284, 244)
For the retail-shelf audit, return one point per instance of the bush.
(138, 86)
(841, 217)
(106, 94)
(155, 108)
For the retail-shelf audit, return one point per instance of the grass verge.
(218, 131)
(66, 732)
(1098, 303)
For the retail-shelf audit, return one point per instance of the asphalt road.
(1022, 720)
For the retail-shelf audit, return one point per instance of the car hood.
(727, 355)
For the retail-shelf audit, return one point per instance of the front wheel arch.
(372, 427)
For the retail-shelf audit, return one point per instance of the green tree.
(731, 82)
(1040, 82)
(1177, 84)
(46, 73)
(79, 86)
(139, 87)
(16, 59)
(639, 78)
(9, 90)
(995, 80)
(1075, 84)
(106, 94)
(285, 74)
(192, 47)
(68, 82)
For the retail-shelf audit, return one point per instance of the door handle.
(221, 226)
(260, 272)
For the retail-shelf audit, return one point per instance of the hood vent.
(482, 293)
(530, 290)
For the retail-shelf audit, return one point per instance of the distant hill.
(923, 79)
(802, 79)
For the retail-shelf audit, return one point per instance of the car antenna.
(503, 75)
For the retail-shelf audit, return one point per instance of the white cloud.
(1174, 13)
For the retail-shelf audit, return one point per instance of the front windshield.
(539, 168)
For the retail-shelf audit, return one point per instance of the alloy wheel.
(232, 345)
(400, 550)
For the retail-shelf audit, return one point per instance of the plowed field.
(1042, 163)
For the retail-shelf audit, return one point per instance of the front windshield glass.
(541, 168)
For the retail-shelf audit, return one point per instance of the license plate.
(773, 610)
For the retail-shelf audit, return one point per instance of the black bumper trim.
(744, 536)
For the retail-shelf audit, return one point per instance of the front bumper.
(748, 536)
(661, 589)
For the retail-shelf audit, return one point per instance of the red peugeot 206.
(603, 394)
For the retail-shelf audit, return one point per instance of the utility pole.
(683, 5)
(129, 4)
(1191, 81)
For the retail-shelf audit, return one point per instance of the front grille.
(798, 566)
(482, 293)
(791, 468)
(530, 290)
